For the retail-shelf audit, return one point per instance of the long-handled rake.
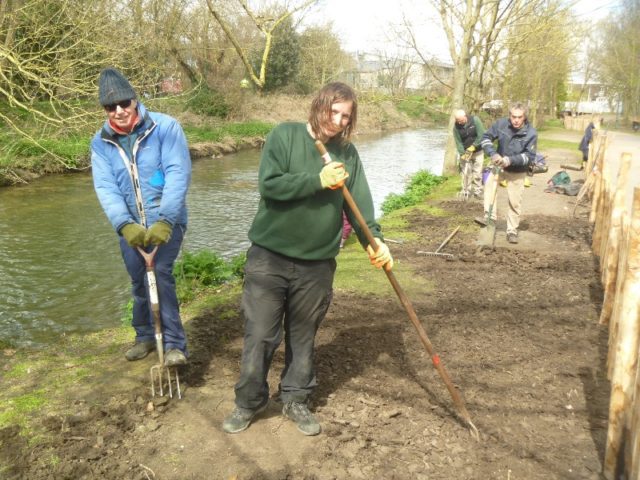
(435, 358)
(437, 253)
(157, 372)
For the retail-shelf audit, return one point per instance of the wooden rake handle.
(406, 303)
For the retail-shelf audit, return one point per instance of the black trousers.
(281, 295)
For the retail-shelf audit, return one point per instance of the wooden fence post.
(600, 225)
(598, 180)
(626, 345)
(610, 261)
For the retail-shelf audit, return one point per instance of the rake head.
(435, 254)
(161, 376)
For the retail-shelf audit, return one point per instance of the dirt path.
(516, 328)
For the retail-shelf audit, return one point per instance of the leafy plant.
(204, 269)
(419, 187)
(208, 102)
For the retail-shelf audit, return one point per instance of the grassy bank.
(40, 151)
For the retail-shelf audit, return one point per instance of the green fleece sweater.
(297, 217)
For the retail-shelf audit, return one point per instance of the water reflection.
(60, 266)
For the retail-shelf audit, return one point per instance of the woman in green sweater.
(290, 265)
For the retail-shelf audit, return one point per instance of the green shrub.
(195, 271)
(208, 102)
(419, 187)
(414, 106)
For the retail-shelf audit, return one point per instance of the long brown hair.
(334, 92)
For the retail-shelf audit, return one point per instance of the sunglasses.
(123, 104)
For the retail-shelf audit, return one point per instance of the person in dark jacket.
(586, 140)
(467, 133)
(295, 235)
(517, 143)
(141, 173)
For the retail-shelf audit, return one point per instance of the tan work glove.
(468, 153)
(381, 257)
(158, 233)
(133, 233)
(333, 175)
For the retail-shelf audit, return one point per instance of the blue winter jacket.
(519, 145)
(157, 150)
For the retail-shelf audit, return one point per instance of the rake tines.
(437, 253)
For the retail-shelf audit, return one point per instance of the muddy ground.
(517, 329)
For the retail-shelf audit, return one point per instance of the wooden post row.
(625, 372)
(610, 260)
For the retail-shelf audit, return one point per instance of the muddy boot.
(140, 350)
(303, 418)
(482, 221)
(240, 419)
(174, 358)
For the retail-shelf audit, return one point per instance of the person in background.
(141, 173)
(586, 140)
(346, 229)
(517, 143)
(295, 235)
(467, 133)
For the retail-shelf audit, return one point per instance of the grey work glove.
(500, 161)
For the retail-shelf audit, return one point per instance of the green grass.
(544, 144)
(420, 185)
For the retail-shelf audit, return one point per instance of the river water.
(60, 265)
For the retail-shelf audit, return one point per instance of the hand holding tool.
(500, 161)
(159, 233)
(381, 257)
(134, 234)
(333, 175)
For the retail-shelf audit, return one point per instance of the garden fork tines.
(159, 371)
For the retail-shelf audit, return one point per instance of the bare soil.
(516, 327)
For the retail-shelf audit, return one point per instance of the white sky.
(370, 25)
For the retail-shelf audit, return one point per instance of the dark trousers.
(281, 295)
(173, 332)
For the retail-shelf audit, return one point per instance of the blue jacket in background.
(157, 149)
(519, 145)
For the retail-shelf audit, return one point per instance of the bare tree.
(266, 24)
(322, 58)
(618, 59)
(539, 52)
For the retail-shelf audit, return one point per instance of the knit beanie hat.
(113, 87)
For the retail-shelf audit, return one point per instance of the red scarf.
(129, 128)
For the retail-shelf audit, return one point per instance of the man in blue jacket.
(517, 143)
(141, 173)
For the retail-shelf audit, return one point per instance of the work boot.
(240, 418)
(482, 221)
(512, 237)
(174, 358)
(303, 418)
(140, 350)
